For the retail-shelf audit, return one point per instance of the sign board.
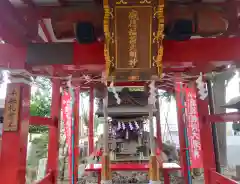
(193, 129)
(133, 48)
(11, 111)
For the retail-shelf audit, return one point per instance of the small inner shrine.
(128, 139)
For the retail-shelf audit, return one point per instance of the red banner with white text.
(67, 120)
(193, 130)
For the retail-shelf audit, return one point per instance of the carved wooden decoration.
(133, 40)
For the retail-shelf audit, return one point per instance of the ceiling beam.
(50, 11)
(199, 52)
(32, 9)
(16, 24)
(63, 2)
(71, 14)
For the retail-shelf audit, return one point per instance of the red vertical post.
(158, 121)
(91, 122)
(179, 94)
(15, 134)
(206, 139)
(53, 142)
(76, 133)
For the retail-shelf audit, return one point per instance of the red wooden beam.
(14, 22)
(12, 57)
(197, 51)
(86, 11)
(38, 120)
(64, 11)
(224, 117)
(200, 52)
(34, 14)
(133, 84)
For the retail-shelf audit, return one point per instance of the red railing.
(48, 179)
(217, 178)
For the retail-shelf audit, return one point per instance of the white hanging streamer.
(123, 126)
(119, 126)
(130, 125)
(152, 96)
(127, 134)
(115, 93)
(136, 125)
(202, 92)
(104, 78)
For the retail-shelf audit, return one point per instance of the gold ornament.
(121, 2)
(107, 14)
(145, 2)
(158, 36)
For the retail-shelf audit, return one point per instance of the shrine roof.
(133, 104)
(128, 98)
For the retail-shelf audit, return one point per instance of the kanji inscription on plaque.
(11, 111)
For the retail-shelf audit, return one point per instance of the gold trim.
(150, 41)
(111, 13)
(107, 15)
(145, 2)
(112, 40)
(158, 36)
(121, 2)
(137, 6)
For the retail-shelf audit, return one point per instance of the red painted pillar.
(179, 94)
(53, 143)
(76, 133)
(158, 121)
(206, 139)
(91, 122)
(15, 134)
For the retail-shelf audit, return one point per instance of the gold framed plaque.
(132, 38)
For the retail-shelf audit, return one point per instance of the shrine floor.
(137, 177)
(126, 178)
